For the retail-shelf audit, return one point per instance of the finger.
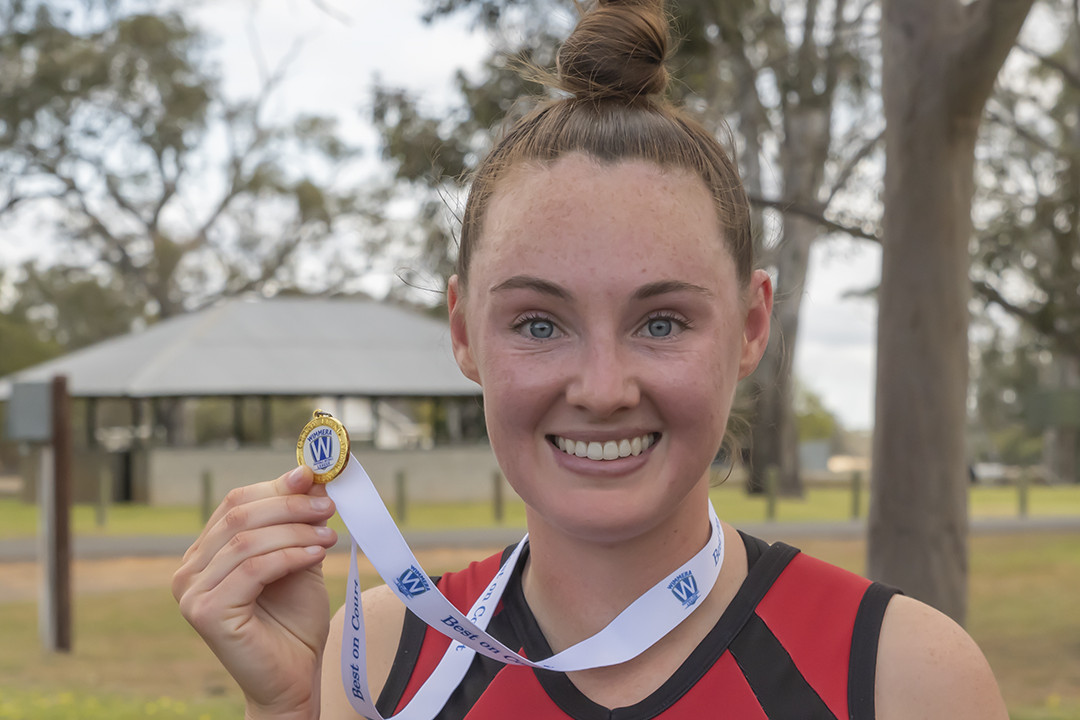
(262, 541)
(299, 480)
(279, 510)
(244, 585)
(205, 611)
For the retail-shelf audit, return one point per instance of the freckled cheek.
(517, 394)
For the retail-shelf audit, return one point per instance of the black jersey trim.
(765, 565)
(413, 631)
(862, 664)
(778, 685)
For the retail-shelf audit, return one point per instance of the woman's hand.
(252, 586)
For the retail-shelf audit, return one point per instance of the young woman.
(606, 301)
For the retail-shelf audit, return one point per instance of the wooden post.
(772, 478)
(104, 495)
(401, 500)
(206, 496)
(1022, 487)
(498, 501)
(55, 499)
(856, 494)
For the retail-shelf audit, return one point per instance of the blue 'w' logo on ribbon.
(685, 589)
(412, 582)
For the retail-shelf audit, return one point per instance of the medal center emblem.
(323, 446)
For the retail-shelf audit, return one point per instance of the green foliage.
(111, 122)
(22, 345)
(71, 307)
(1027, 259)
(814, 420)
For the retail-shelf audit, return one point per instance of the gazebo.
(285, 347)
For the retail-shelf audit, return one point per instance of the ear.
(757, 321)
(459, 333)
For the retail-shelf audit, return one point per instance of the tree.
(939, 62)
(113, 127)
(72, 307)
(1027, 260)
(815, 420)
(777, 69)
(1006, 368)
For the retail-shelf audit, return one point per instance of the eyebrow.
(528, 282)
(665, 287)
(650, 290)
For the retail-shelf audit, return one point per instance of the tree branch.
(817, 215)
(991, 294)
(853, 161)
(989, 31)
(835, 49)
(1021, 131)
(1067, 73)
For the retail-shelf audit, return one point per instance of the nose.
(604, 380)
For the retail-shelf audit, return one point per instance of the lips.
(607, 450)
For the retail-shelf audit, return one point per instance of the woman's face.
(605, 323)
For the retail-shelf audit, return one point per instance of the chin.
(597, 517)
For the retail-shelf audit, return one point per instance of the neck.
(576, 586)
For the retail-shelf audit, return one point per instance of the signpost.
(40, 413)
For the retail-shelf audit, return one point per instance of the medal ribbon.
(638, 627)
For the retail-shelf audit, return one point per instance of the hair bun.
(617, 50)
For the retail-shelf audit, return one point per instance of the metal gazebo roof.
(279, 347)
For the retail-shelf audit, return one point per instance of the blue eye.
(659, 327)
(540, 329)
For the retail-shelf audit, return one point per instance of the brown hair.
(612, 70)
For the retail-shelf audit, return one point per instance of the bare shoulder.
(384, 615)
(928, 667)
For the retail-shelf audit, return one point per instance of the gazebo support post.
(267, 420)
(375, 421)
(238, 419)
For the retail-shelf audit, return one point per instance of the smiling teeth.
(610, 450)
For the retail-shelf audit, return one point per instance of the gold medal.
(323, 446)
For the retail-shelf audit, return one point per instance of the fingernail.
(294, 476)
(320, 503)
(323, 531)
(314, 549)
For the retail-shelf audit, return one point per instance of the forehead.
(630, 217)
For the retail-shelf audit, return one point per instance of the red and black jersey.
(798, 642)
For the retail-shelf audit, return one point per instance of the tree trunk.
(940, 58)
(807, 137)
(1060, 440)
(775, 430)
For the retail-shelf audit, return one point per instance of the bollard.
(856, 495)
(1022, 486)
(401, 500)
(497, 497)
(772, 477)
(104, 495)
(206, 496)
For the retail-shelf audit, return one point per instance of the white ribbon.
(635, 629)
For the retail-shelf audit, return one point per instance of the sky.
(339, 48)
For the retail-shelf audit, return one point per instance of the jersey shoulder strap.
(420, 648)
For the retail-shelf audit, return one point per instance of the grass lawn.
(822, 504)
(135, 657)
